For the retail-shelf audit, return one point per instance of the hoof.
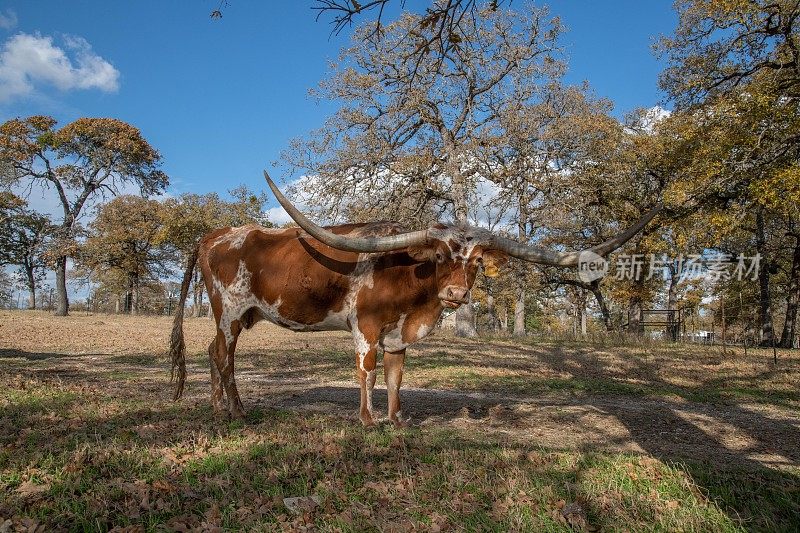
(401, 423)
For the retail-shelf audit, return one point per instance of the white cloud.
(659, 112)
(278, 216)
(27, 60)
(653, 116)
(8, 19)
(486, 210)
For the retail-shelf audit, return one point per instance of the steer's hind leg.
(393, 363)
(223, 357)
(217, 392)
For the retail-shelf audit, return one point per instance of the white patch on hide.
(423, 331)
(360, 278)
(235, 237)
(393, 339)
(467, 237)
(236, 298)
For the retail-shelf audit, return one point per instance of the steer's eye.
(439, 257)
(479, 260)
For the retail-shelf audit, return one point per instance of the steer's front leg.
(365, 372)
(393, 363)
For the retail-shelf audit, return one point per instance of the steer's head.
(457, 251)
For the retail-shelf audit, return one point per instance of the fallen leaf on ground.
(29, 489)
(302, 504)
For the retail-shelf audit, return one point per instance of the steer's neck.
(411, 285)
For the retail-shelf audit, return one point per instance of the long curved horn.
(544, 256)
(344, 242)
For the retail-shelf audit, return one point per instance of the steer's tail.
(177, 348)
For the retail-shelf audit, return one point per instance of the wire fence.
(743, 324)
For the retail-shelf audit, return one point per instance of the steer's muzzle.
(453, 295)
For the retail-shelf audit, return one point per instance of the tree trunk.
(197, 296)
(601, 302)
(465, 319)
(583, 322)
(792, 300)
(582, 325)
(62, 300)
(503, 319)
(30, 282)
(636, 305)
(672, 302)
(672, 289)
(129, 296)
(519, 304)
(200, 299)
(465, 314)
(491, 312)
(635, 315)
(765, 301)
(519, 313)
(135, 296)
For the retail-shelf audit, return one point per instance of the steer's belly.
(334, 321)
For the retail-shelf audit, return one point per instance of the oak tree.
(86, 160)
(24, 240)
(122, 247)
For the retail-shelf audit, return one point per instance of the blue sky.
(222, 98)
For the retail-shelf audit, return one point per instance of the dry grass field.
(506, 436)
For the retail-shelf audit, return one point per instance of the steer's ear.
(421, 253)
(493, 260)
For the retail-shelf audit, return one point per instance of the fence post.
(713, 328)
(744, 322)
(722, 305)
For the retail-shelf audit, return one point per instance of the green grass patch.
(101, 461)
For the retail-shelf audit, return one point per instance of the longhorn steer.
(385, 285)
